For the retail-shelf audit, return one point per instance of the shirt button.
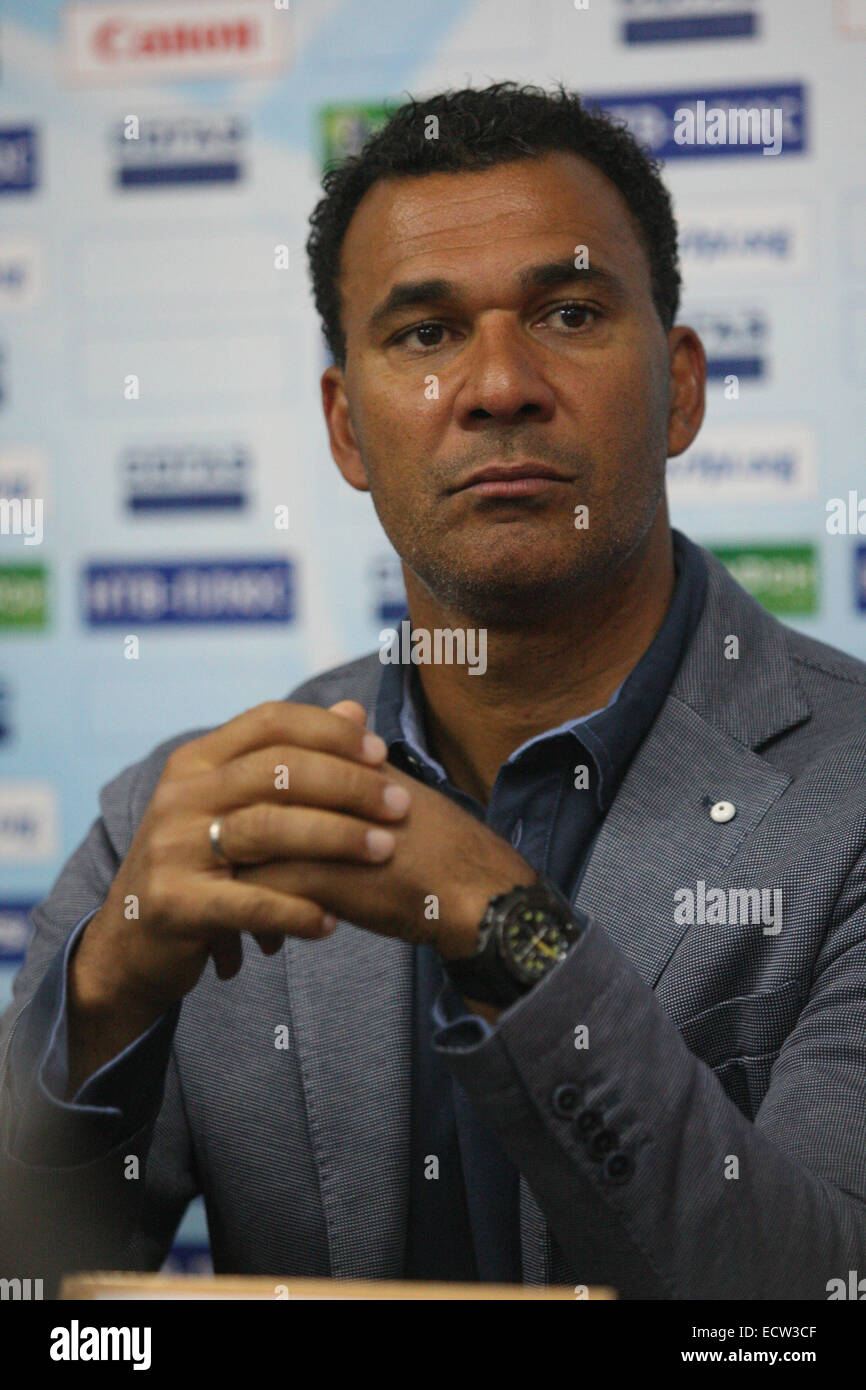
(516, 833)
(723, 811)
(566, 1099)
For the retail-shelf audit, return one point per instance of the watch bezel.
(557, 916)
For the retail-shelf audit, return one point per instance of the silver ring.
(214, 834)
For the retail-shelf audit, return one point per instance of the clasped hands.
(436, 867)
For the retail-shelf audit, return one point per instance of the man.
(563, 962)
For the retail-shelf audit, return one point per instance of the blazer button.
(566, 1100)
(618, 1166)
(602, 1143)
(587, 1122)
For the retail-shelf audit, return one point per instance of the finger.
(227, 952)
(232, 907)
(299, 776)
(336, 887)
(255, 834)
(269, 945)
(330, 884)
(278, 721)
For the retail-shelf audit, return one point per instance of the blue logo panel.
(683, 28)
(15, 929)
(191, 592)
(186, 478)
(18, 166)
(860, 577)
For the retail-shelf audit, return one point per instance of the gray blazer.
(727, 1060)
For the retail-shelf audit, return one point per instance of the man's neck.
(538, 678)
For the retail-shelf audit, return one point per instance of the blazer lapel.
(351, 1007)
(735, 690)
(658, 835)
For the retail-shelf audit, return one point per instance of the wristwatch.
(524, 933)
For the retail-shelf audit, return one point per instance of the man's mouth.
(511, 480)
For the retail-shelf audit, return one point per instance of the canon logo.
(118, 39)
(105, 41)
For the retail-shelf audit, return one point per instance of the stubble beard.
(511, 593)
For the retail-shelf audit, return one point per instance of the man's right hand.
(173, 902)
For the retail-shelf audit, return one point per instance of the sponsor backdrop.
(177, 544)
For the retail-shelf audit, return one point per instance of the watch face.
(533, 941)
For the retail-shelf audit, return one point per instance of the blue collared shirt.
(549, 799)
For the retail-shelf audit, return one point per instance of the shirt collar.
(610, 734)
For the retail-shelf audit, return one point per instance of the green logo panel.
(23, 597)
(344, 128)
(783, 578)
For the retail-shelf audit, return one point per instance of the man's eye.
(573, 311)
(430, 334)
(426, 334)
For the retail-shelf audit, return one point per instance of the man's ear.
(687, 391)
(341, 435)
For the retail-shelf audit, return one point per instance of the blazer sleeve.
(102, 1182)
(651, 1179)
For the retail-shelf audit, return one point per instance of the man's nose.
(503, 379)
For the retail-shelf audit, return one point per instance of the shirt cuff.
(456, 1027)
(110, 1106)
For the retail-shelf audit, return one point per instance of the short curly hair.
(482, 127)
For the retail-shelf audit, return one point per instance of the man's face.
(516, 356)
